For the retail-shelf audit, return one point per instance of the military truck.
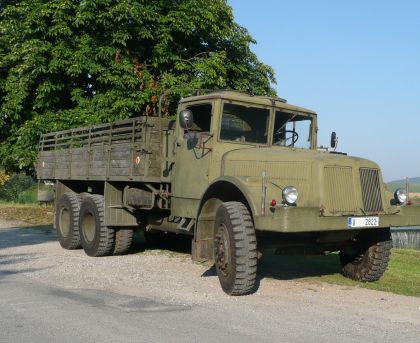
(234, 171)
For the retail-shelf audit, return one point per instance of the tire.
(67, 220)
(235, 249)
(96, 238)
(123, 241)
(371, 258)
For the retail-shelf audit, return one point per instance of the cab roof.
(245, 97)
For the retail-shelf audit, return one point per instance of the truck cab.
(223, 122)
(263, 153)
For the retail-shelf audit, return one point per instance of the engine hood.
(335, 183)
(276, 154)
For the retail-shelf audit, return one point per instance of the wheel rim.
(64, 222)
(222, 249)
(88, 227)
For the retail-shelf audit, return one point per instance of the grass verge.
(27, 214)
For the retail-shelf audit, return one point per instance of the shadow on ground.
(297, 267)
(276, 267)
(108, 300)
(269, 266)
(9, 272)
(14, 237)
(8, 262)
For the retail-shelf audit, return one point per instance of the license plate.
(363, 221)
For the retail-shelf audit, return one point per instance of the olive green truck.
(238, 173)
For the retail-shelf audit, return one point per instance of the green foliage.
(65, 63)
(30, 196)
(19, 188)
(4, 177)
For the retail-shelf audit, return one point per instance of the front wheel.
(368, 257)
(235, 248)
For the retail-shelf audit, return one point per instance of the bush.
(18, 188)
(28, 197)
(3, 178)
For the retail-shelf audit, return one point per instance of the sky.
(356, 63)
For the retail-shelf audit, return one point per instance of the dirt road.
(47, 294)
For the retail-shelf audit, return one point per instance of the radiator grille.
(339, 189)
(371, 190)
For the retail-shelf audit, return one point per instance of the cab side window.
(202, 117)
(244, 124)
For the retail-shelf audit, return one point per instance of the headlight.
(400, 196)
(290, 195)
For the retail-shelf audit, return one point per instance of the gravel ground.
(286, 310)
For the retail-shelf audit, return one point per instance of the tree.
(66, 63)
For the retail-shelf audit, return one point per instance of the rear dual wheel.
(80, 223)
(123, 241)
(97, 239)
(67, 220)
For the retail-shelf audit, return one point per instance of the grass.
(29, 196)
(27, 214)
(402, 276)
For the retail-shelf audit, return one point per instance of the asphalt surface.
(36, 309)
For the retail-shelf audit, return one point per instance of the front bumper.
(308, 219)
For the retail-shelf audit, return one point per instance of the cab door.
(193, 150)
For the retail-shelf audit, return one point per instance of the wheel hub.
(222, 250)
(64, 222)
(88, 227)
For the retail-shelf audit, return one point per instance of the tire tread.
(123, 241)
(106, 237)
(373, 262)
(74, 200)
(245, 244)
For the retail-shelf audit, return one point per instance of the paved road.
(38, 306)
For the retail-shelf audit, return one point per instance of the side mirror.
(186, 119)
(334, 140)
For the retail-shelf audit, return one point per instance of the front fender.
(248, 190)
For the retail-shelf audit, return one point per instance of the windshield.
(244, 124)
(292, 130)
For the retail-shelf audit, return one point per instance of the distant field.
(414, 188)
